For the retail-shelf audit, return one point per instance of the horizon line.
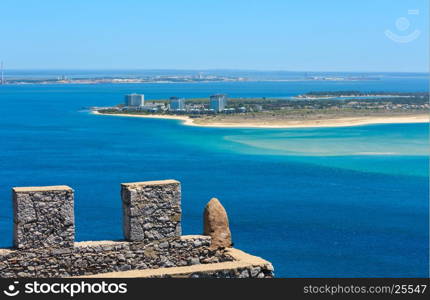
(209, 69)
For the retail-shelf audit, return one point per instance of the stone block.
(151, 210)
(43, 217)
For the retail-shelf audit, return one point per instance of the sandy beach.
(333, 122)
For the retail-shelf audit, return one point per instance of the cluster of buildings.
(386, 105)
(217, 104)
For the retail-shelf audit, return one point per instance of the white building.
(153, 107)
(218, 102)
(134, 100)
(177, 103)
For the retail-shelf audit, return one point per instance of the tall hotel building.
(134, 100)
(177, 103)
(218, 102)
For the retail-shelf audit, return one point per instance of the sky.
(293, 35)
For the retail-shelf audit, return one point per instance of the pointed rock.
(216, 224)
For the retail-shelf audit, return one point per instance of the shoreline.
(83, 82)
(338, 122)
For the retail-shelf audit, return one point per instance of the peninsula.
(322, 109)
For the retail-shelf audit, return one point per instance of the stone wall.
(44, 243)
(241, 265)
(89, 258)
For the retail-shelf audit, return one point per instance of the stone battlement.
(44, 238)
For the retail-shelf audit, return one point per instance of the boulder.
(216, 225)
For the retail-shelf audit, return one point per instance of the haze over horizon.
(298, 36)
(210, 70)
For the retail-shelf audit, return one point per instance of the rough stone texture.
(246, 272)
(152, 210)
(216, 224)
(243, 265)
(43, 217)
(88, 258)
(263, 271)
(45, 247)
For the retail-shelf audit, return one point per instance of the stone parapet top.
(195, 236)
(98, 243)
(241, 260)
(6, 251)
(42, 188)
(103, 243)
(155, 182)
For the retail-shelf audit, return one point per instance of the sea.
(316, 202)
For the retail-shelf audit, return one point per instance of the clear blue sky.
(297, 35)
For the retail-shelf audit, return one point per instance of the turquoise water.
(342, 202)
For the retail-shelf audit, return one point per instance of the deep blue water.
(341, 202)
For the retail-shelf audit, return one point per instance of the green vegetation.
(313, 104)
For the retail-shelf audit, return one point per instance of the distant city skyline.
(298, 36)
(13, 71)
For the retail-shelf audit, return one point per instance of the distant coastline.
(170, 81)
(43, 77)
(329, 122)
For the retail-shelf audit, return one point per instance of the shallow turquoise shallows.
(328, 202)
